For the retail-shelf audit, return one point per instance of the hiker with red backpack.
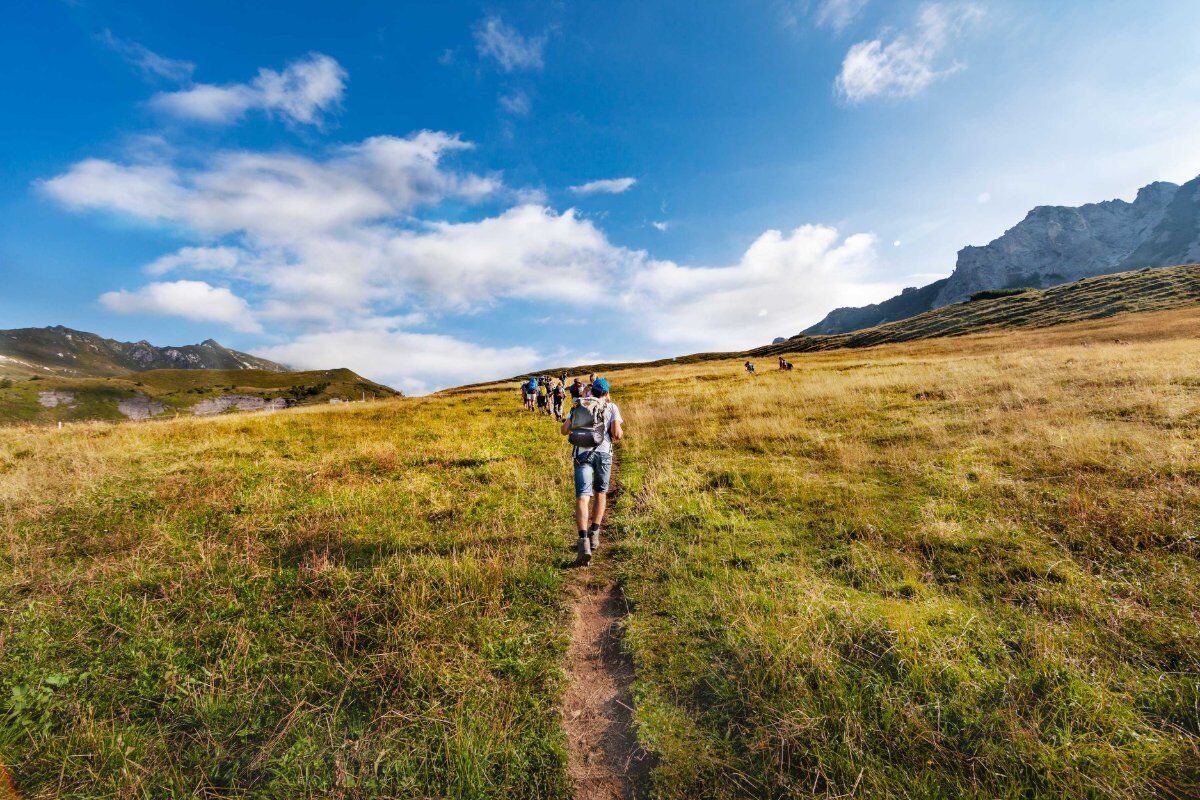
(592, 426)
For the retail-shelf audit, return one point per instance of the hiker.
(530, 390)
(587, 387)
(543, 396)
(576, 389)
(782, 363)
(750, 367)
(557, 395)
(592, 426)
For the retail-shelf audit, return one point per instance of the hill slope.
(1053, 245)
(62, 351)
(1093, 298)
(945, 568)
(172, 392)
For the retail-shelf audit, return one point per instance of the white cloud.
(338, 258)
(497, 40)
(660, 226)
(517, 104)
(277, 196)
(908, 64)
(194, 300)
(606, 186)
(780, 284)
(984, 198)
(147, 61)
(415, 363)
(301, 93)
(837, 14)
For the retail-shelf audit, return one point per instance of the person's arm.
(615, 430)
(566, 426)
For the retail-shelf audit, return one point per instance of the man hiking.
(529, 389)
(543, 396)
(576, 389)
(592, 426)
(557, 395)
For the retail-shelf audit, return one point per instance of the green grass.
(322, 603)
(938, 573)
(958, 567)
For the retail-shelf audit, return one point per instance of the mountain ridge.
(59, 350)
(1050, 246)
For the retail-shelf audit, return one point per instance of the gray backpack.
(588, 419)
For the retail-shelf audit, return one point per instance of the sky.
(439, 193)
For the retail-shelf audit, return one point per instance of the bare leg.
(582, 507)
(599, 504)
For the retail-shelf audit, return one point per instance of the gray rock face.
(55, 399)
(239, 402)
(140, 407)
(1057, 244)
(1053, 245)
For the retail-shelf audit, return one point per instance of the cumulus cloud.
(780, 283)
(272, 195)
(910, 62)
(837, 14)
(504, 44)
(194, 300)
(412, 362)
(660, 226)
(301, 93)
(342, 254)
(606, 186)
(148, 62)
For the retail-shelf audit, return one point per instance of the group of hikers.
(591, 424)
(784, 366)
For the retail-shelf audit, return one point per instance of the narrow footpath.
(605, 761)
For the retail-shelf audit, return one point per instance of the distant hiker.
(529, 391)
(592, 426)
(784, 364)
(750, 367)
(557, 395)
(576, 389)
(562, 378)
(543, 397)
(587, 387)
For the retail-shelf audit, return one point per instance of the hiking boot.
(584, 550)
(594, 539)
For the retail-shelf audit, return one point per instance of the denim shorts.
(592, 472)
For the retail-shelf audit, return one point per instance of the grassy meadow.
(359, 601)
(951, 568)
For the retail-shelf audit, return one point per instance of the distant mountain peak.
(1054, 245)
(59, 350)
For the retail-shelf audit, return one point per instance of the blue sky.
(434, 193)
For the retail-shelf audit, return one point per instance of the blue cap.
(600, 386)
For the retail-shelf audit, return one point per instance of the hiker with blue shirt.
(592, 426)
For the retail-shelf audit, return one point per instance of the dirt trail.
(605, 761)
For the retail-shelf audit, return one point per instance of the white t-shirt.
(611, 414)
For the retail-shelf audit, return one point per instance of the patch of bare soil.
(605, 761)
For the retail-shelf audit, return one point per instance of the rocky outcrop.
(55, 399)
(238, 402)
(140, 407)
(1058, 244)
(1051, 246)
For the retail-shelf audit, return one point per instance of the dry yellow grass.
(962, 567)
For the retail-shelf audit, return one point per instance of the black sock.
(582, 534)
(595, 526)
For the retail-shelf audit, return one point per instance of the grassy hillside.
(953, 567)
(1145, 290)
(176, 391)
